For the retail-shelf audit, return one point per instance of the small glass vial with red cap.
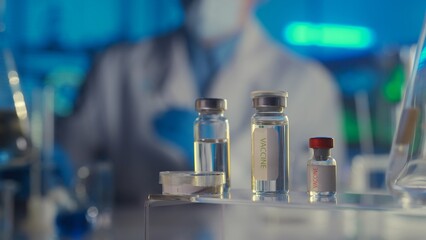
(321, 168)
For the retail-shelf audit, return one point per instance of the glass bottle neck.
(211, 113)
(321, 154)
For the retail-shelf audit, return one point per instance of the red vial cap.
(321, 142)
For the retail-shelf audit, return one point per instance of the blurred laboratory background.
(367, 45)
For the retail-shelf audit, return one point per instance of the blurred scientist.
(137, 105)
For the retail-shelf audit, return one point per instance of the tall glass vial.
(270, 143)
(321, 168)
(211, 138)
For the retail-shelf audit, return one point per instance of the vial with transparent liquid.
(270, 143)
(321, 168)
(211, 138)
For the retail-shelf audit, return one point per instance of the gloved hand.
(176, 126)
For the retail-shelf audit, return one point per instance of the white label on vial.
(265, 154)
(321, 178)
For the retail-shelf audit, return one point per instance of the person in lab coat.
(137, 106)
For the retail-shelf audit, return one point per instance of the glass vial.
(321, 168)
(211, 138)
(270, 143)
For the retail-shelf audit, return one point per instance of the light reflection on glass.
(18, 97)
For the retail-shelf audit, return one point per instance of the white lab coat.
(120, 101)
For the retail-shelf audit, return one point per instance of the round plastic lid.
(321, 142)
(256, 94)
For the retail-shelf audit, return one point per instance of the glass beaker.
(406, 175)
(90, 215)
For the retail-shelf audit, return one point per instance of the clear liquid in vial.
(213, 155)
(280, 184)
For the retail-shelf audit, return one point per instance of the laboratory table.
(242, 215)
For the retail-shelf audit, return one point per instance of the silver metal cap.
(210, 104)
(269, 98)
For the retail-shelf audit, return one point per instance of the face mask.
(213, 20)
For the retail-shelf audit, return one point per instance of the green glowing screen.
(328, 35)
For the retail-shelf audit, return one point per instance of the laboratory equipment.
(95, 190)
(7, 193)
(41, 207)
(406, 174)
(321, 168)
(90, 212)
(368, 173)
(270, 142)
(15, 145)
(211, 138)
(190, 183)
